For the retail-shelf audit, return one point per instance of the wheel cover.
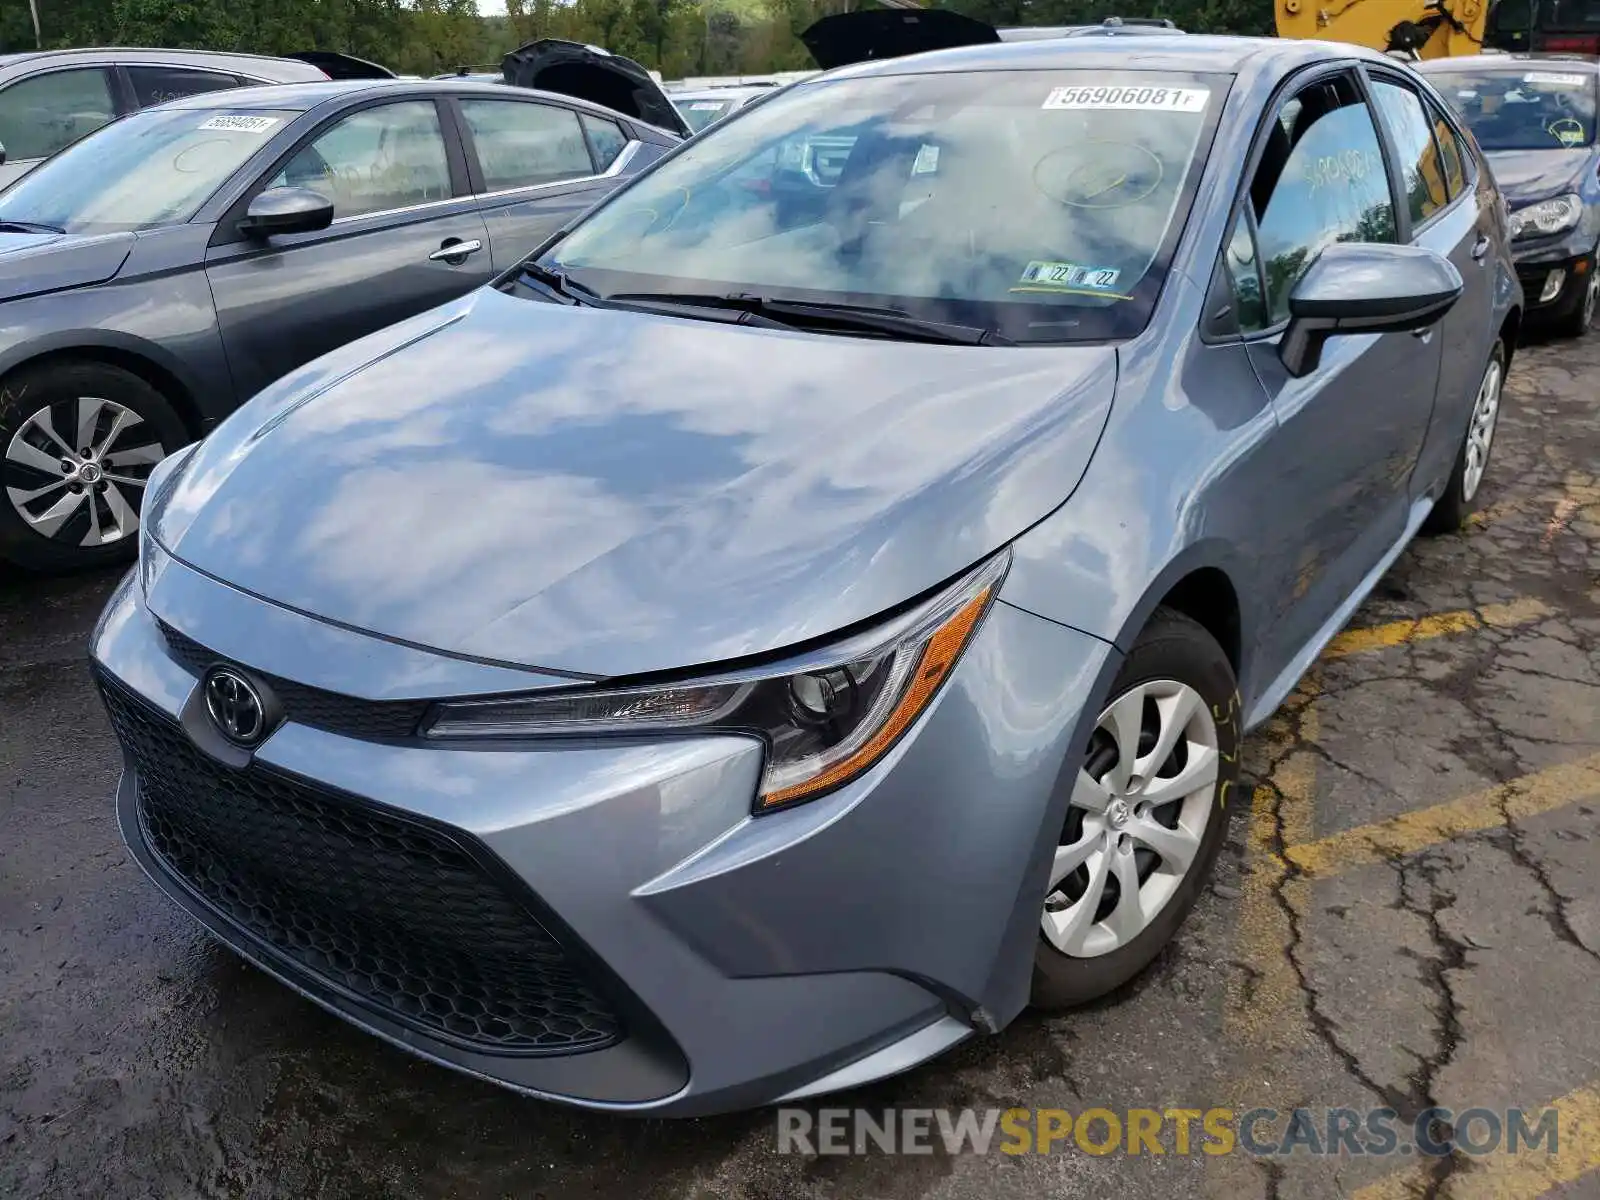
(1480, 429)
(75, 471)
(1591, 295)
(1137, 816)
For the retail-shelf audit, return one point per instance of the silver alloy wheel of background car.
(1136, 818)
(1591, 296)
(82, 468)
(1481, 427)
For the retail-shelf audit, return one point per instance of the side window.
(157, 85)
(1243, 269)
(1422, 175)
(44, 113)
(390, 156)
(606, 140)
(522, 144)
(1326, 184)
(1450, 151)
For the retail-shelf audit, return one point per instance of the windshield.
(1571, 15)
(1040, 204)
(697, 114)
(152, 168)
(1544, 109)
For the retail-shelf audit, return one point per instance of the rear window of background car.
(44, 113)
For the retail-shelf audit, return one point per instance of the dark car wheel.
(77, 442)
(1453, 508)
(1575, 321)
(1146, 818)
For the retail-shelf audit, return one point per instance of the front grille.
(370, 720)
(389, 911)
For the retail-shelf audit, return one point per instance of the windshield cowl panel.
(1042, 206)
(149, 169)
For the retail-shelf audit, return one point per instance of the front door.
(398, 215)
(1350, 430)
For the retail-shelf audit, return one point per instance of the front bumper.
(601, 923)
(1554, 276)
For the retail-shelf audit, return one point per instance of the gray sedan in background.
(164, 269)
(763, 641)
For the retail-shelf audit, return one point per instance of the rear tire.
(1160, 823)
(77, 441)
(1461, 493)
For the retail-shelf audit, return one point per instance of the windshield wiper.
(560, 283)
(809, 314)
(28, 227)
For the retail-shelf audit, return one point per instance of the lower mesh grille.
(391, 912)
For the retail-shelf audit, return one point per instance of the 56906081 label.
(1151, 98)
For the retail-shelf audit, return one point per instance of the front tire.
(1460, 497)
(1147, 817)
(77, 442)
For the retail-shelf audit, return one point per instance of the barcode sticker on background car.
(1065, 274)
(705, 106)
(1160, 99)
(239, 123)
(1550, 79)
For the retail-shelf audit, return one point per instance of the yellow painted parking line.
(1523, 1176)
(1262, 997)
(1410, 832)
(1397, 633)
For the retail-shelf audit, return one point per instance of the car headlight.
(1546, 217)
(825, 718)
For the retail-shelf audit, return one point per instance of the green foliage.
(676, 37)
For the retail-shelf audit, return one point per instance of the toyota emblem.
(235, 707)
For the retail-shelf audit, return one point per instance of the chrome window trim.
(611, 172)
(409, 208)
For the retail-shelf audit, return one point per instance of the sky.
(491, 8)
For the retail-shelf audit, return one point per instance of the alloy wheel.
(1480, 430)
(1591, 298)
(1136, 819)
(75, 471)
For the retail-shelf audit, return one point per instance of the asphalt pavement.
(1407, 916)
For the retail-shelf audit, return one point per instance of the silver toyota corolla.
(801, 617)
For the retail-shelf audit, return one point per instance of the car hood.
(342, 66)
(1528, 175)
(33, 263)
(874, 33)
(613, 493)
(595, 75)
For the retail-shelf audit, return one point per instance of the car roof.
(1161, 52)
(302, 97)
(1573, 64)
(288, 68)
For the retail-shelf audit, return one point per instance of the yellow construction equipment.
(1445, 28)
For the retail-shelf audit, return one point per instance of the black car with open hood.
(596, 75)
(342, 66)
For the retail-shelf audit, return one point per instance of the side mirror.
(1356, 287)
(286, 210)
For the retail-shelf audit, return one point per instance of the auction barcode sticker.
(1160, 99)
(239, 123)
(1551, 79)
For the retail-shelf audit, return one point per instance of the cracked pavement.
(138, 1058)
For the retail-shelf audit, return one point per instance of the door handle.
(454, 250)
(1480, 248)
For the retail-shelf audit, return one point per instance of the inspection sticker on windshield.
(1160, 99)
(705, 106)
(1551, 79)
(239, 123)
(1069, 275)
